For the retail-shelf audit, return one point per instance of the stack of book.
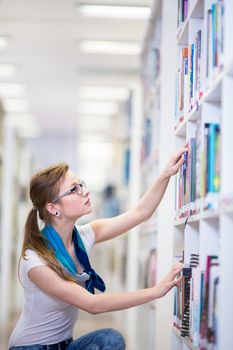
(195, 75)
(182, 86)
(195, 89)
(182, 12)
(211, 165)
(189, 79)
(198, 180)
(186, 183)
(196, 303)
(214, 40)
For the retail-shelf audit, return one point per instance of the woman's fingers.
(177, 268)
(177, 281)
(179, 154)
(178, 164)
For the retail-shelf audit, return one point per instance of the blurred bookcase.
(150, 76)
(157, 145)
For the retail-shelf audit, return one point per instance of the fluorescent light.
(134, 12)
(7, 70)
(16, 105)
(106, 93)
(98, 108)
(110, 47)
(20, 119)
(30, 131)
(4, 42)
(12, 90)
(25, 124)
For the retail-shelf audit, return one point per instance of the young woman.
(55, 270)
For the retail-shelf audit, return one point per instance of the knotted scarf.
(89, 278)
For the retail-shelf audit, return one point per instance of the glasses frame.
(79, 191)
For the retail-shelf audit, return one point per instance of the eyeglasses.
(77, 188)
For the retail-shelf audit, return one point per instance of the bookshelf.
(203, 223)
(201, 219)
(15, 173)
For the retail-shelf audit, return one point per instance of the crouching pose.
(55, 270)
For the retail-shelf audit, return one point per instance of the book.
(210, 275)
(211, 169)
(186, 182)
(214, 40)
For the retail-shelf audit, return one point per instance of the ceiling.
(44, 38)
(43, 44)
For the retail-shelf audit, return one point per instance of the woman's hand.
(171, 280)
(175, 162)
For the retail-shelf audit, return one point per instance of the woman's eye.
(73, 189)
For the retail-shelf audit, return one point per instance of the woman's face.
(74, 199)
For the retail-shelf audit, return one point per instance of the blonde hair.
(44, 186)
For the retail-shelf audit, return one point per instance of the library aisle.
(114, 88)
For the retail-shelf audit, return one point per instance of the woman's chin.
(89, 209)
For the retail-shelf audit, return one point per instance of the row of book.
(215, 39)
(211, 165)
(196, 303)
(200, 61)
(182, 12)
(150, 130)
(147, 138)
(198, 180)
(151, 71)
(188, 89)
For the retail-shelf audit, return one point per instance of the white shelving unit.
(209, 230)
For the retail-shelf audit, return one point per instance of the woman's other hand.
(171, 280)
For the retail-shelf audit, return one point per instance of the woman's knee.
(113, 339)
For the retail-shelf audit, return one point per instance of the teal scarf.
(89, 278)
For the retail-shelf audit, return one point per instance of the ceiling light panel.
(120, 12)
(16, 105)
(7, 70)
(98, 108)
(4, 42)
(12, 90)
(20, 119)
(30, 131)
(110, 47)
(107, 93)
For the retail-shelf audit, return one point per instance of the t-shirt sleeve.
(31, 259)
(88, 236)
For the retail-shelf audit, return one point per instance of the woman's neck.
(65, 231)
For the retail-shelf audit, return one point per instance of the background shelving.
(158, 105)
(151, 83)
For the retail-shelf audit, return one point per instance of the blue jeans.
(102, 339)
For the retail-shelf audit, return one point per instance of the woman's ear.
(51, 209)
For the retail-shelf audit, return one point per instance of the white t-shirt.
(45, 319)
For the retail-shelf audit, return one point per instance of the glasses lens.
(79, 187)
